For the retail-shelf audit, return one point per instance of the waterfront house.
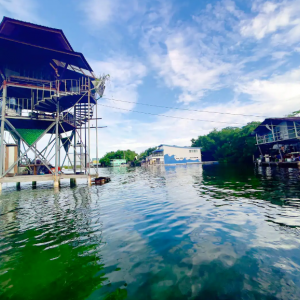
(278, 138)
(118, 162)
(172, 155)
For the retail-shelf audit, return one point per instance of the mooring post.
(34, 184)
(89, 180)
(72, 182)
(2, 127)
(18, 185)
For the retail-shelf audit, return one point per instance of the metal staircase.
(64, 88)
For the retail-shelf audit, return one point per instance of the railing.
(282, 135)
(16, 107)
(69, 118)
(70, 86)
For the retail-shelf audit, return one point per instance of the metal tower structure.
(46, 89)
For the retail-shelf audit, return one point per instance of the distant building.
(95, 161)
(172, 155)
(279, 131)
(278, 139)
(118, 162)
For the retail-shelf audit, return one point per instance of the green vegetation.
(230, 144)
(146, 153)
(294, 114)
(129, 155)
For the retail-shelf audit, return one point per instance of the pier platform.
(47, 177)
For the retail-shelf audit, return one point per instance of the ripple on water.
(184, 232)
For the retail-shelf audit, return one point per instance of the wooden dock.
(48, 177)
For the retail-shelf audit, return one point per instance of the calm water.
(184, 232)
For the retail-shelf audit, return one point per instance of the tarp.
(29, 135)
(66, 141)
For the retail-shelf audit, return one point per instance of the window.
(193, 151)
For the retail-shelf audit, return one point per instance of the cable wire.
(177, 108)
(160, 115)
(190, 119)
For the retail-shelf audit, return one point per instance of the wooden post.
(72, 182)
(34, 184)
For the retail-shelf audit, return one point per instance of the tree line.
(230, 144)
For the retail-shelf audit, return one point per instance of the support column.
(89, 180)
(97, 158)
(59, 145)
(89, 125)
(18, 185)
(2, 128)
(56, 141)
(74, 132)
(56, 183)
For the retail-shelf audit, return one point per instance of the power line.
(190, 119)
(160, 115)
(177, 108)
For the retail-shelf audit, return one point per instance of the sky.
(237, 57)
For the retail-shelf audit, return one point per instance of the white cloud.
(126, 75)
(276, 96)
(189, 56)
(196, 58)
(98, 12)
(182, 67)
(21, 10)
(272, 17)
(103, 12)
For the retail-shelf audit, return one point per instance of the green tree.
(129, 155)
(146, 153)
(230, 144)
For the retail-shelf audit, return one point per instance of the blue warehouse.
(172, 155)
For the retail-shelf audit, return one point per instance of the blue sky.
(225, 56)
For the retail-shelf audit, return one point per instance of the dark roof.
(33, 34)
(185, 147)
(275, 121)
(43, 39)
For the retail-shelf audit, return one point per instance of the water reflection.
(184, 232)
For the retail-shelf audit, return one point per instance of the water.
(184, 232)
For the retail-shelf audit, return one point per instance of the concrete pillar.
(56, 183)
(34, 184)
(72, 182)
